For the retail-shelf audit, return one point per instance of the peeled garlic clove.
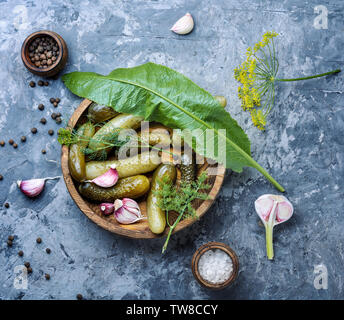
(184, 25)
(107, 208)
(107, 179)
(33, 187)
(263, 207)
(284, 211)
(127, 211)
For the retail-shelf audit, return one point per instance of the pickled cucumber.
(76, 159)
(131, 187)
(156, 216)
(122, 121)
(142, 163)
(98, 113)
(187, 168)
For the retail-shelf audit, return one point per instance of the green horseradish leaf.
(161, 94)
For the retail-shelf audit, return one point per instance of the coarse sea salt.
(215, 266)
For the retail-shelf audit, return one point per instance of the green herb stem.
(311, 77)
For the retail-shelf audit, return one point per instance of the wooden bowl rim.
(35, 35)
(210, 246)
(83, 206)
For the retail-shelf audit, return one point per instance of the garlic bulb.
(272, 210)
(184, 25)
(127, 211)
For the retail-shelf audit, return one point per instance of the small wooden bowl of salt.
(215, 265)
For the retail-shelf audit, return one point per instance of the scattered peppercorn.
(58, 120)
(7, 205)
(20, 253)
(2, 143)
(32, 84)
(15, 146)
(41, 52)
(34, 130)
(40, 82)
(46, 83)
(47, 250)
(23, 139)
(11, 141)
(27, 264)
(41, 106)
(53, 115)
(9, 243)
(51, 132)
(1, 177)
(11, 238)
(29, 270)
(55, 104)
(44, 151)
(52, 100)
(38, 240)
(58, 100)
(79, 296)
(47, 276)
(43, 121)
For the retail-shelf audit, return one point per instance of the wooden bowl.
(140, 229)
(211, 246)
(61, 58)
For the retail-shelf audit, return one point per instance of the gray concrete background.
(302, 149)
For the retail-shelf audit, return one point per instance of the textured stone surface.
(302, 148)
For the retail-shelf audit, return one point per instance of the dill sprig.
(179, 199)
(257, 76)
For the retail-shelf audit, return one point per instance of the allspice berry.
(29, 270)
(32, 84)
(27, 264)
(2, 143)
(47, 276)
(20, 253)
(40, 83)
(34, 130)
(43, 121)
(1, 177)
(38, 240)
(11, 141)
(79, 296)
(47, 250)
(7, 205)
(41, 106)
(51, 132)
(15, 146)
(23, 139)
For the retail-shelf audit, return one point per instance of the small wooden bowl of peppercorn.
(44, 53)
(215, 265)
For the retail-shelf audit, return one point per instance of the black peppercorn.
(41, 106)
(7, 205)
(32, 84)
(15, 146)
(43, 121)
(2, 143)
(47, 250)
(11, 238)
(44, 151)
(58, 120)
(20, 253)
(46, 83)
(23, 139)
(29, 270)
(34, 130)
(9, 243)
(51, 132)
(40, 82)
(52, 100)
(58, 100)
(47, 276)
(54, 115)
(55, 104)
(1, 177)
(38, 240)
(27, 264)
(79, 296)
(11, 141)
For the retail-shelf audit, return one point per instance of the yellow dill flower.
(258, 119)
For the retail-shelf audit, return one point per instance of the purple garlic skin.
(107, 208)
(31, 188)
(127, 211)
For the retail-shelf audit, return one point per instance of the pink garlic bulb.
(127, 211)
(272, 210)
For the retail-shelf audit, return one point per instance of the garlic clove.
(107, 208)
(184, 25)
(263, 206)
(107, 179)
(127, 211)
(284, 211)
(33, 187)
